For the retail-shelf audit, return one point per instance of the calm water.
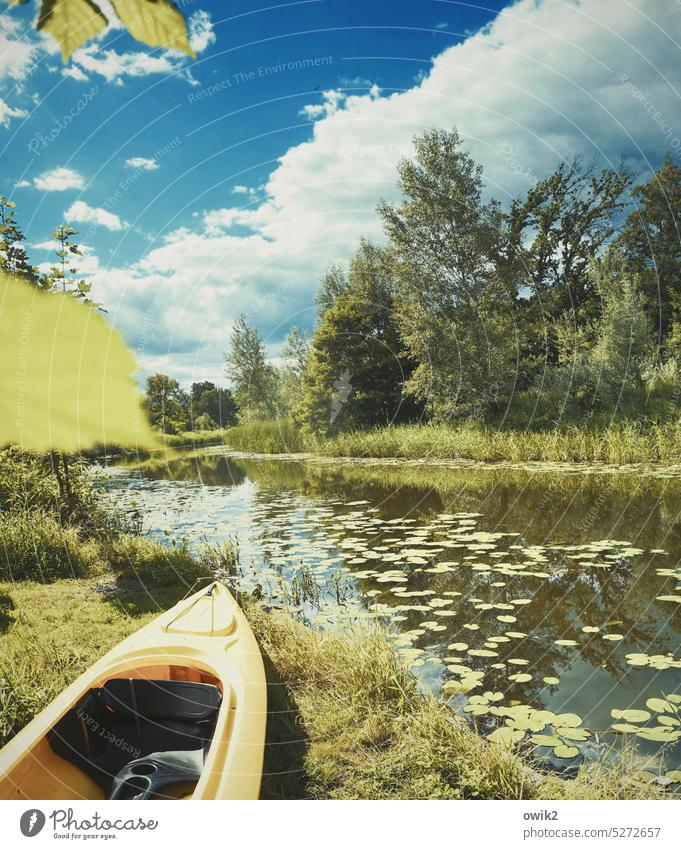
(534, 600)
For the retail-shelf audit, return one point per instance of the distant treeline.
(564, 306)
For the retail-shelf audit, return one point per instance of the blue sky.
(206, 188)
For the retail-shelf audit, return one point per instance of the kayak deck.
(175, 711)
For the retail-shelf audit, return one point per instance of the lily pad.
(660, 706)
(568, 720)
(630, 715)
(563, 751)
(551, 679)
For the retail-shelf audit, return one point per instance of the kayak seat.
(130, 719)
(161, 775)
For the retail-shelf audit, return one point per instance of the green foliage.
(650, 242)
(62, 276)
(290, 377)
(34, 546)
(453, 309)
(13, 257)
(166, 403)
(28, 483)
(255, 380)
(354, 373)
(211, 407)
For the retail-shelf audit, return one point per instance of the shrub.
(34, 546)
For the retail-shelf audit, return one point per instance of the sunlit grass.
(622, 443)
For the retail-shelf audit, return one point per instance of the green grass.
(618, 444)
(345, 718)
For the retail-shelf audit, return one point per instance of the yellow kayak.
(177, 710)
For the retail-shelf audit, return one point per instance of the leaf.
(67, 375)
(506, 736)
(154, 22)
(624, 728)
(572, 733)
(630, 715)
(545, 740)
(551, 679)
(660, 706)
(564, 751)
(567, 720)
(71, 22)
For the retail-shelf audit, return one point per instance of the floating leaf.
(565, 642)
(520, 677)
(505, 736)
(545, 740)
(624, 728)
(568, 720)
(614, 638)
(572, 733)
(659, 734)
(674, 775)
(551, 679)
(630, 715)
(483, 653)
(660, 706)
(563, 751)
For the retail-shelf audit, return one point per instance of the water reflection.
(540, 587)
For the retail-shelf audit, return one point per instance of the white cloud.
(22, 184)
(16, 55)
(143, 163)
(8, 112)
(74, 72)
(332, 102)
(114, 66)
(201, 34)
(240, 190)
(542, 82)
(81, 213)
(59, 180)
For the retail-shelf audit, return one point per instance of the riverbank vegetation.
(617, 444)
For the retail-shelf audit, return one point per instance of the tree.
(562, 226)
(211, 404)
(453, 309)
(62, 275)
(651, 243)
(295, 354)
(255, 384)
(167, 404)
(355, 372)
(13, 257)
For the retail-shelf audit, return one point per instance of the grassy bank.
(618, 444)
(345, 719)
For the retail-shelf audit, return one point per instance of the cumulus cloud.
(80, 212)
(142, 162)
(115, 67)
(74, 72)
(201, 34)
(8, 112)
(59, 180)
(544, 80)
(16, 54)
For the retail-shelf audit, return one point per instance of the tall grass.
(622, 443)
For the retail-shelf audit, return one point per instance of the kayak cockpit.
(143, 734)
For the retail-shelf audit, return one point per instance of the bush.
(35, 547)
(28, 482)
